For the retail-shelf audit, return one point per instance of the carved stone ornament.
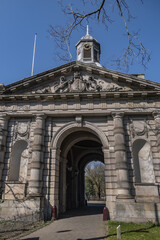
(157, 126)
(156, 115)
(22, 130)
(78, 84)
(79, 121)
(139, 128)
(44, 90)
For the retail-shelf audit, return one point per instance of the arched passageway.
(76, 151)
(95, 181)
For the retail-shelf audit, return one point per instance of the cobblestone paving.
(82, 224)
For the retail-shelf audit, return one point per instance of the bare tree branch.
(135, 50)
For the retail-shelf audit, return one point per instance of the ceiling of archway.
(90, 158)
(88, 144)
(76, 138)
(83, 152)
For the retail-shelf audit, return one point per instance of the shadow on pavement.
(91, 209)
(64, 231)
(36, 238)
(97, 238)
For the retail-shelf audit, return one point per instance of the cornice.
(82, 114)
(81, 95)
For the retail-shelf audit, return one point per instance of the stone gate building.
(54, 123)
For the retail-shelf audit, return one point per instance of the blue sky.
(21, 19)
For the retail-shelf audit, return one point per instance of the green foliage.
(94, 181)
(89, 188)
(133, 231)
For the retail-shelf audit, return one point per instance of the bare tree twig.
(135, 50)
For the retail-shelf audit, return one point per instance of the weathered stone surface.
(141, 212)
(15, 191)
(147, 193)
(11, 208)
(69, 116)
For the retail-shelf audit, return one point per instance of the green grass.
(148, 231)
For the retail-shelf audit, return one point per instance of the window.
(87, 52)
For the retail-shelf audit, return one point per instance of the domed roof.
(88, 49)
(87, 37)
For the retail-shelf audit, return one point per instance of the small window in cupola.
(87, 52)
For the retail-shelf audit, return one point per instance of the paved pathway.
(82, 224)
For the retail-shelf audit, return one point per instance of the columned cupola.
(88, 49)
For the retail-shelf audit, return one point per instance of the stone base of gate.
(146, 192)
(136, 212)
(15, 191)
(11, 208)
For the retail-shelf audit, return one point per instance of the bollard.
(119, 232)
(54, 212)
(105, 214)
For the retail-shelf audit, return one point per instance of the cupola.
(88, 49)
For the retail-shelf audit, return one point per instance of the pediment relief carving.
(79, 83)
(113, 87)
(79, 77)
(43, 90)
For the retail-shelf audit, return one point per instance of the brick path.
(82, 224)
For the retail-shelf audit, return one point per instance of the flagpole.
(34, 48)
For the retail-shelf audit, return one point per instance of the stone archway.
(71, 146)
(90, 150)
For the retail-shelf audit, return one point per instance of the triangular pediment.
(79, 77)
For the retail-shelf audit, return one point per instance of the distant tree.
(95, 180)
(99, 10)
(89, 188)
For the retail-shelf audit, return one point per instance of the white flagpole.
(34, 48)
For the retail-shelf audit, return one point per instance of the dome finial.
(87, 28)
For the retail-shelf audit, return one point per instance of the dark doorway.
(79, 155)
(77, 150)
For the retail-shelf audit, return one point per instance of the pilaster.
(35, 183)
(3, 137)
(110, 179)
(54, 189)
(123, 187)
(156, 115)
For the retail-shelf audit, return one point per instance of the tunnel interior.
(77, 150)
